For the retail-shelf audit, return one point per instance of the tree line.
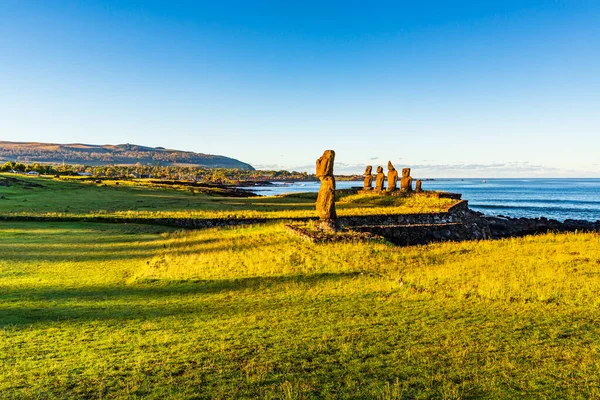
(183, 173)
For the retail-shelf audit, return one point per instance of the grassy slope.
(106, 311)
(77, 153)
(76, 198)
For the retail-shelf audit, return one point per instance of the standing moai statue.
(392, 177)
(418, 187)
(326, 197)
(379, 179)
(406, 181)
(368, 183)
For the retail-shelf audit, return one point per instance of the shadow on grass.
(143, 300)
(82, 242)
(134, 249)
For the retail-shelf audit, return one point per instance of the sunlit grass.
(125, 311)
(552, 268)
(75, 198)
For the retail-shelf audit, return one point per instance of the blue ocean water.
(551, 198)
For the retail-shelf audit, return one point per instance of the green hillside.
(122, 154)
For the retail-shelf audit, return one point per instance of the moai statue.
(392, 177)
(418, 188)
(326, 197)
(368, 183)
(379, 179)
(406, 181)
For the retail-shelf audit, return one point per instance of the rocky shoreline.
(503, 226)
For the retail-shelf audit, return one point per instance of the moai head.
(368, 170)
(405, 172)
(325, 164)
(390, 166)
(380, 170)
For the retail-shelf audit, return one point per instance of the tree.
(8, 166)
(19, 167)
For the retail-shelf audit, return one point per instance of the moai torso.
(326, 197)
(406, 181)
(379, 179)
(418, 186)
(392, 177)
(368, 183)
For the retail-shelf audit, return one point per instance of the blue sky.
(452, 89)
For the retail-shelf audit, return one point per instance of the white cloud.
(458, 170)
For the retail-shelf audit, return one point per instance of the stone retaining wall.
(410, 235)
(457, 224)
(457, 213)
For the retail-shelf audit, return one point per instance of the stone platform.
(457, 224)
(404, 193)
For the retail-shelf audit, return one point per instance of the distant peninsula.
(120, 154)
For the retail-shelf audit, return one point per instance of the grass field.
(137, 199)
(92, 310)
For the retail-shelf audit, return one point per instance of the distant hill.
(121, 154)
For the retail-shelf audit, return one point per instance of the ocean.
(551, 198)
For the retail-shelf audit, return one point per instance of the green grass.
(125, 311)
(139, 199)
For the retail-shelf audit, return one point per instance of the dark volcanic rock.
(410, 235)
(503, 227)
